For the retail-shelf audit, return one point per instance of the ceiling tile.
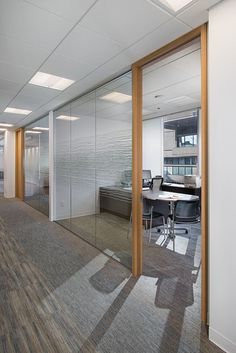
(9, 86)
(66, 67)
(125, 21)
(86, 46)
(197, 14)
(43, 93)
(71, 10)
(10, 118)
(19, 74)
(155, 40)
(28, 102)
(18, 52)
(28, 22)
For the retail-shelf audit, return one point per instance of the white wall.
(153, 146)
(222, 172)
(9, 164)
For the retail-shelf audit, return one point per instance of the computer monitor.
(147, 174)
(147, 178)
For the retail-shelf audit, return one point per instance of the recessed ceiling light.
(6, 125)
(174, 5)
(3, 129)
(117, 97)
(17, 111)
(32, 132)
(41, 128)
(67, 117)
(50, 81)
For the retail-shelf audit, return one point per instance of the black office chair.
(155, 212)
(187, 212)
(157, 183)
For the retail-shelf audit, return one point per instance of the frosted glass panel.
(93, 167)
(113, 168)
(36, 165)
(83, 168)
(62, 130)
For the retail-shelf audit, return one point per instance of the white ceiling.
(88, 41)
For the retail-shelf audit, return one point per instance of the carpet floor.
(58, 294)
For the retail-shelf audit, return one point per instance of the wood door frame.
(137, 236)
(20, 182)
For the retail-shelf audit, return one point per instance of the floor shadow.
(109, 277)
(102, 327)
(176, 274)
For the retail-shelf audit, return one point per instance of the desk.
(116, 200)
(172, 198)
(181, 188)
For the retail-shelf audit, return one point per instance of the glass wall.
(93, 167)
(37, 165)
(2, 136)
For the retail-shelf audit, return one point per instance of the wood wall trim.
(204, 207)
(137, 236)
(137, 67)
(20, 184)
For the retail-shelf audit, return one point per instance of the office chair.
(150, 214)
(155, 211)
(186, 212)
(157, 183)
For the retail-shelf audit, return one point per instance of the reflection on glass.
(36, 165)
(93, 167)
(2, 135)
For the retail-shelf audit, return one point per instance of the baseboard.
(221, 341)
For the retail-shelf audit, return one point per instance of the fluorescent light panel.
(32, 132)
(41, 128)
(6, 125)
(3, 129)
(50, 81)
(117, 97)
(67, 117)
(176, 5)
(17, 111)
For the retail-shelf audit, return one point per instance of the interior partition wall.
(2, 135)
(93, 167)
(36, 165)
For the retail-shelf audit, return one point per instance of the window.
(187, 141)
(179, 133)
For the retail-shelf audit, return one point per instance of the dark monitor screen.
(147, 174)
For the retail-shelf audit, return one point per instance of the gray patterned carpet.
(79, 300)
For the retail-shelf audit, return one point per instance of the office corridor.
(59, 294)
